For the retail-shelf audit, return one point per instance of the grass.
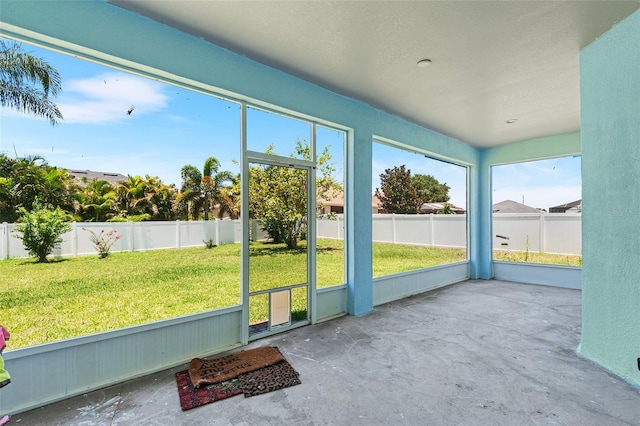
(534, 257)
(43, 302)
(393, 258)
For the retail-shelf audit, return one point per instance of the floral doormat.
(191, 397)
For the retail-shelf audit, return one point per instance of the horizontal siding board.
(394, 287)
(46, 373)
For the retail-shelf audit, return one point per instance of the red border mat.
(191, 397)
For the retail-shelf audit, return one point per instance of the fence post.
(5, 239)
(393, 228)
(177, 234)
(339, 226)
(74, 239)
(433, 230)
(542, 233)
(217, 229)
(132, 245)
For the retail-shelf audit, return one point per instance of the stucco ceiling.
(492, 61)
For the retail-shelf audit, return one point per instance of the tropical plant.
(229, 202)
(103, 241)
(446, 209)
(161, 199)
(131, 196)
(57, 188)
(145, 198)
(23, 180)
(200, 192)
(96, 201)
(40, 230)
(27, 82)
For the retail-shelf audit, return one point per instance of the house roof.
(332, 197)
(565, 207)
(491, 61)
(509, 206)
(91, 175)
(434, 207)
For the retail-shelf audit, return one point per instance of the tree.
(145, 198)
(278, 195)
(202, 191)
(23, 180)
(429, 189)
(26, 82)
(131, 197)
(396, 193)
(96, 201)
(57, 188)
(161, 198)
(40, 230)
(230, 199)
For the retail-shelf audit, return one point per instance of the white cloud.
(106, 98)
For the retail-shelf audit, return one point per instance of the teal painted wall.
(610, 115)
(534, 149)
(98, 30)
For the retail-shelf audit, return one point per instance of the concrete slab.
(475, 353)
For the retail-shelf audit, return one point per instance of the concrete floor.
(475, 353)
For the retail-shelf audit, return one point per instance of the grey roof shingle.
(509, 206)
(91, 175)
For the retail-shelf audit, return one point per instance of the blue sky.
(542, 184)
(170, 127)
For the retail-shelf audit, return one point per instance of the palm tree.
(230, 199)
(97, 200)
(160, 198)
(201, 191)
(26, 83)
(132, 199)
(58, 188)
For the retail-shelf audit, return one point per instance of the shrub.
(40, 230)
(103, 241)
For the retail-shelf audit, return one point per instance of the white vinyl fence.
(441, 230)
(547, 233)
(136, 236)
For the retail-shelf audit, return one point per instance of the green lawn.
(42, 302)
(534, 257)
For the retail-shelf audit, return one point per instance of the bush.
(103, 241)
(40, 230)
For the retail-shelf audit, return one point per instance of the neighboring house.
(434, 208)
(572, 207)
(91, 175)
(509, 206)
(426, 208)
(331, 202)
(376, 206)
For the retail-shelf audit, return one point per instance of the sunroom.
(474, 84)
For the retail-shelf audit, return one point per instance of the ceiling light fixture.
(424, 63)
(511, 120)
